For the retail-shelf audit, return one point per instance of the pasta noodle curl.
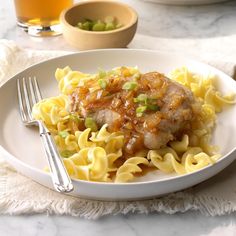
(68, 80)
(126, 172)
(51, 110)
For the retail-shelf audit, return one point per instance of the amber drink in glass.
(40, 17)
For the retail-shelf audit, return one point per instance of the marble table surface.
(209, 29)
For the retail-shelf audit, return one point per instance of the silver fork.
(28, 94)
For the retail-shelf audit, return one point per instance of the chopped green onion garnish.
(87, 25)
(141, 109)
(99, 26)
(110, 26)
(80, 25)
(101, 73)
(114, 72)
(153, 107)
(129, 85)
(141, 98)
(74, 118)
(139, 114)
(109, 23)
(90, 123)
(66, 153)
(102, 83)
(63, 134)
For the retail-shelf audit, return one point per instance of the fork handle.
(60, 177)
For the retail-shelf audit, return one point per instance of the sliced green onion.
(139, 114)
(90, 123)
(102, 73)
(75, 118)
(129, 85)
(99, 26)
(80, 25)
(114, 72)
(67, 153)
(87, 25)
(140, 110)
(141, 98)
(109, 23)
(110, 26)
(153, 107)
(102, 83)
(63, 134)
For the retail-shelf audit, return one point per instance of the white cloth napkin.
(21, 195)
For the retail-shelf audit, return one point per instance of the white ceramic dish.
(21, 146)
(186, 2)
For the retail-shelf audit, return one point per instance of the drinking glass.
(40, 17)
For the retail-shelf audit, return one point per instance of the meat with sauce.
(153, 112)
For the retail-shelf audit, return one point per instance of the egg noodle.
(97, 156)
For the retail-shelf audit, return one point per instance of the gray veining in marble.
(132, 225)
(163, 22)
(187, 22)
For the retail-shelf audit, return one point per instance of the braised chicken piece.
(150, 110)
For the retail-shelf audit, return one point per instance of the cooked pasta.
(126, 172)
(68, 80)
(52, 110)
(92, 152)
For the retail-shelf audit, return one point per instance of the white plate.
(22, 148)
(186, 2)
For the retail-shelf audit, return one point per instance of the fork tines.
(28, 94)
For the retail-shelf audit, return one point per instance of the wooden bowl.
(94, 10)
